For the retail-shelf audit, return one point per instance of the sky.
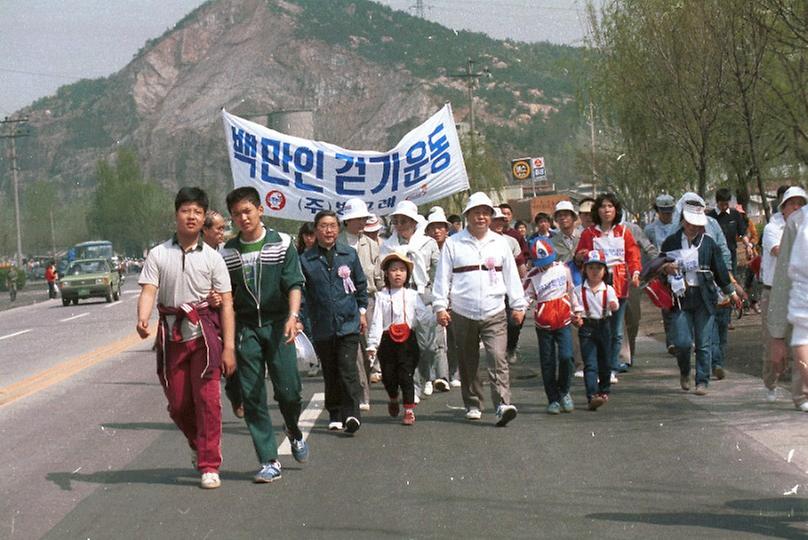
(49, 43)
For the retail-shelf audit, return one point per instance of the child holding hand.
(596, 301)
(550, 284)
(398, 311)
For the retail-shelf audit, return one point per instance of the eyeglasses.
(328, 226)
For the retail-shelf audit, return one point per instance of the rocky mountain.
(368, 73)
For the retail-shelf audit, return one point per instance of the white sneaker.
(441, 385)
(613, 379)
(417, 399)
(803, 406)
(473, 414)
(455, 383)
(210, 480)
(335, 426)
(364, 406)
(579, 374)
(428, 388)
(771, 395)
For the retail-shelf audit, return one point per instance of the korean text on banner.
(298, 177)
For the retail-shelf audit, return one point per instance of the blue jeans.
(690, 326)
(555, 357)
(596, 341)
(719, 338)
(617, 323)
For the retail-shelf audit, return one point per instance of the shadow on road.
(767, 517)
(230, 428)
(172, 477)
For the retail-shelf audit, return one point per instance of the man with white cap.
(659, 229)
(373, 226)
(694, 252)
(793, 199)
(354, 218)
(437, 228)
(475, 273)
(499, 224)
(424, 253)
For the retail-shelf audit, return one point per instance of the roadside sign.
(538, 163)
(539, 172)
(520, 168)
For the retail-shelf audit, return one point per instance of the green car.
(90, 278)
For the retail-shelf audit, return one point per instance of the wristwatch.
(295, 315)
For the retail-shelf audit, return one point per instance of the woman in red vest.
(608, 235)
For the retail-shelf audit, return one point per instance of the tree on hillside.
(128, 210)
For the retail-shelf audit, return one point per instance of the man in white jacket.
(475, 273)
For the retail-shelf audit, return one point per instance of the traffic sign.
(520, 168)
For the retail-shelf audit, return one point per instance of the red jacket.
(630, 263)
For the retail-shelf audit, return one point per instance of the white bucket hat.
(564, 205)
(478, 199)
(355, 208)
(373, 224)
(408, 209)
(437, 217)
(793, 191)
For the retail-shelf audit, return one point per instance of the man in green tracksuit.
(267, 281)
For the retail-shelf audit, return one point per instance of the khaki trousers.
(494, 334)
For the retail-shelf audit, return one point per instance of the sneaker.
(567, 404)
(364, 406)
(700, 390)
(505, 413)
(300, 449)
(579, 374)
(210, 480)
(719, 373)
(622, 367)
(613, 378)
(375, 378)
(417, 399)
(428, 388)
(238, 410)
(596, 401)
(441, 385)
(771, 395)
(474, 414)
(554, 408)
(671, 350)
(335, 425)
(313, 371)
(684, 382)
(269, 473)
(352, 425)
(455, 383)
(803, 406)
(512, 357)
(393, 408)
(409, 417)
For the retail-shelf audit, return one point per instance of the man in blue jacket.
(336, 299)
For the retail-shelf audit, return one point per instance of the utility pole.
(14, 125)
(471, 81)
(419, 9)
(592, 135)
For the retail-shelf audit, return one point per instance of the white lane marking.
(131, 292)
(16, 334)
(75, 316)
(307, 419)
(115, 303)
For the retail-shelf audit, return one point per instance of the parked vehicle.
(90, 278)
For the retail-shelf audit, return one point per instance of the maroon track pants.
(194, 402)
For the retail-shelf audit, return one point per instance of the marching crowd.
(419, 309)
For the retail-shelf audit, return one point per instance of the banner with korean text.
(298, 177)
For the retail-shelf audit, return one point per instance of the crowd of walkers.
(421, 308)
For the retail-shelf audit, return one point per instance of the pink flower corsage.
(345, 273)
(491, 265)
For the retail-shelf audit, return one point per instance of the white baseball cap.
(355, 208)
(564, 205)
(693, 213)
(498, 213)
(793, 191)
(478, 199)
(408, 209)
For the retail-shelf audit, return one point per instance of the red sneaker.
(409, 417)
(393, 408)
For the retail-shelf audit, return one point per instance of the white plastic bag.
(306, 356)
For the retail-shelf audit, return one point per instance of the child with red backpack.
(399, 309)
(550, 284)
(596, 302)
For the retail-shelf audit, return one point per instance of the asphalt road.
(91, 453)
